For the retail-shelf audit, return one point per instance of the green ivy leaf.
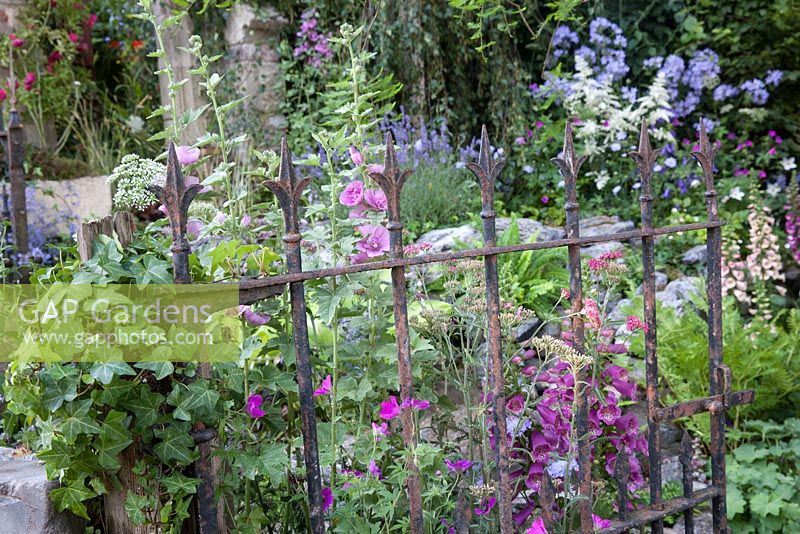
(178, 483)
(176, 443)
(105, 372)
(71, 498)
(201, 399)
(135, 506)
(114, 438)
(57, 391)
(160, 369)
(57, 458)
(146, 407)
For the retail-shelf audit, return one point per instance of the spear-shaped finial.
(287, 189)
(391, 180)
(569, 164)
(486, 170)
(176, 198)
(645, 158)
(705, 156)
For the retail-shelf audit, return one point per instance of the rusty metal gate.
(288, 189)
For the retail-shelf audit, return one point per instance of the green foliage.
(762, 357)
(764, 478)
(436, 196)
(533, 278)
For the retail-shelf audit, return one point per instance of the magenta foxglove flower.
(389, 408)
(253, 317)
(356, 157)
(30, 79)
(73, 37)
(376, 199)
(380, 431)
(352, 194)
(375, 242)
(599, 522)
(487, 506)
(187, 155)
(537, 527)
(327, 498)
(374, 470)
(459, 465)
(324, 388)
(375, 168)
(253, 406)
(516, 404)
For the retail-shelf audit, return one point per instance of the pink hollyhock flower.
(353, 194)
(516, 404)
(389, 408)
(324, 388)
(253, 406)
(253, 317)
(375, 168)
(194, 227)
(327, 498)
(30, 79)
(487, 506)
(634, 323)
(187, 155)
(599, 522)
(376, 199)
(375, 242)
(374, 470)
(380, 431)
(73, 37)
(355, 156)
(246, 220)
(460, 465)
(537, 527)
(16, 42)
(358, 212)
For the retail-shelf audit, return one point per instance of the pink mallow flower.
(390, 408)
(416, 404)
(246, 220)
(599, 522)
(375, 168)
(253, 406)
(537, 527)
(355, 156)
(380, 431)
(376, 199)
(486, 506)
(324, 388)
(352, 194)
(187, 155)
(375, 242)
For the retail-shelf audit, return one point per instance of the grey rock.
(671, 468)
(661, 283)
(445, 239)
(25, 505)
(695, 255)
(617, 315)
(526, 330)
(597, 250)
(703, 523)
(603, 225)
(679, 293)
(529, 228)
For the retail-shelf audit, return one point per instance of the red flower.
(136, 44)
(91, 21)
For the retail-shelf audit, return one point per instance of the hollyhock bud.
(187, 155)
(353, 194)
(356, 157)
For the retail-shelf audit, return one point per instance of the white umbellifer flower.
(788, 164)
(131, 179)
(135, 124)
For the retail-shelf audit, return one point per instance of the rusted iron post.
(688, 487)
(15, 154)
(288, 189)
(547, 500)
(645, 157)
(705, 156)
(391, 180)
(487, 170)
(569, 164)
(622, 470)
(176, 198)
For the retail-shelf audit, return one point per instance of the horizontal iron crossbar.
(661, 510)
(251, 291)
(707, 404)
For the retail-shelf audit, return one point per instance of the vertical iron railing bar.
(176, 198)
(15, 157)
(621, 472)
(569, 164)
(288, 189)
(688, 487)
(645, 158)
(486, 171)
(705, 156)
(391, 180)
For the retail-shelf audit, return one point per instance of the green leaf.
(114, 438)
(177, 482)
(71, 498)
(735, 500)
(160, 369)
(275, 461)
(176, 443)
(764, 504)
(105, 372)
(58, 457)
(146, 407)
(57, 391)
(201, 399)
(328, 301)
(135, 506)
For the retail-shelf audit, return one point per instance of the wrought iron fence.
(288, 189)
(13, 206)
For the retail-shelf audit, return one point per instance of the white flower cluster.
(205, 211)
(131, 178)
(610, 122)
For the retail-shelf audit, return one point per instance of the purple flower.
(246, 220)
(519, 140)
(389, 408)
(253, 406)
(724, 91)
(327, 498)
(773, 77)
(537, 527)
(545, 199)
(358, 211)
(374, 470)
(459, 465)
(376, 199)
(756, 90)
(486, 506)
(380, 431)
(599, 522)
(194, 227)
(375, 168)
(355, 156)
(516, 404)
(375, 242)
(416, 404)
(352, 194)
(187, 155)
(253, 317)
(324, 388)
